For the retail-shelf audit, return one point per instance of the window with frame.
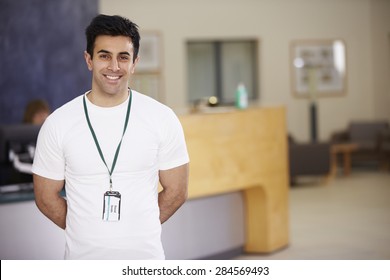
(216, 68)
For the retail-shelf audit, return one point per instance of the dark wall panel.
(41, 53)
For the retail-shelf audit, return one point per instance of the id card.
(112, 206)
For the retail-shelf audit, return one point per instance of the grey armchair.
(384, 148)
(367, 135)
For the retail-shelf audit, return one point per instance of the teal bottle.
(241, 97)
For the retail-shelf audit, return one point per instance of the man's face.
(112, 64)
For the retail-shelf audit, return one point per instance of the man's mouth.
(112, 78)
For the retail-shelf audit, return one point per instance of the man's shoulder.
(70, 107)
(68, 113)
(74, 104)
(150, 106)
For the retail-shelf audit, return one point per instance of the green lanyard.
(97, 142)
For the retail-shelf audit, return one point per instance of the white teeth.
(112, 77)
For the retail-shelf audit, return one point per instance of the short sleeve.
(173, 149)
(49, 161)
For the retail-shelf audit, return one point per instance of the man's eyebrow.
(105, 51)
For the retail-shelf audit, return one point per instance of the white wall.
(276, 23)
(380, 34)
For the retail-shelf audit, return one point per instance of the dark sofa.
(308, 159)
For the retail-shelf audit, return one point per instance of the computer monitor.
(16, 140)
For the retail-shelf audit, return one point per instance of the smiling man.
(109, 148)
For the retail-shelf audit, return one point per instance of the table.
(345, 150)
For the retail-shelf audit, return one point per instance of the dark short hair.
(113, 26)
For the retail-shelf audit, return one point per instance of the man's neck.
(107, 100)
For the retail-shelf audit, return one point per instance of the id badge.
(112, 206)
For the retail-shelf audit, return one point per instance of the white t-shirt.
(153, 141)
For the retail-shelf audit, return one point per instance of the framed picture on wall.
(149, 53)
(148, 84)
(148, 78)
(318, 68)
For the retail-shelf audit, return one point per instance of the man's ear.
(134, 65)
(88, 60)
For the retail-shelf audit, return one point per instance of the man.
(110, 147)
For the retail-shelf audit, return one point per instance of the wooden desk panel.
(244, 151)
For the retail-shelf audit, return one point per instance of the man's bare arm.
(175, 190)
(49, 200)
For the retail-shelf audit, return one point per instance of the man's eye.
(104, 56)
(124, 58)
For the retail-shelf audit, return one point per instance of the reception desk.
(244, 151)
(238, 194)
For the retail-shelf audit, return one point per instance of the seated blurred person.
(36, 112)
(16, 163)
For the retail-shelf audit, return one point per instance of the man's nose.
(114, 65)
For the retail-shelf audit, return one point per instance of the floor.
(348, 218)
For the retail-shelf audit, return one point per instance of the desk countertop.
(16, 193)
